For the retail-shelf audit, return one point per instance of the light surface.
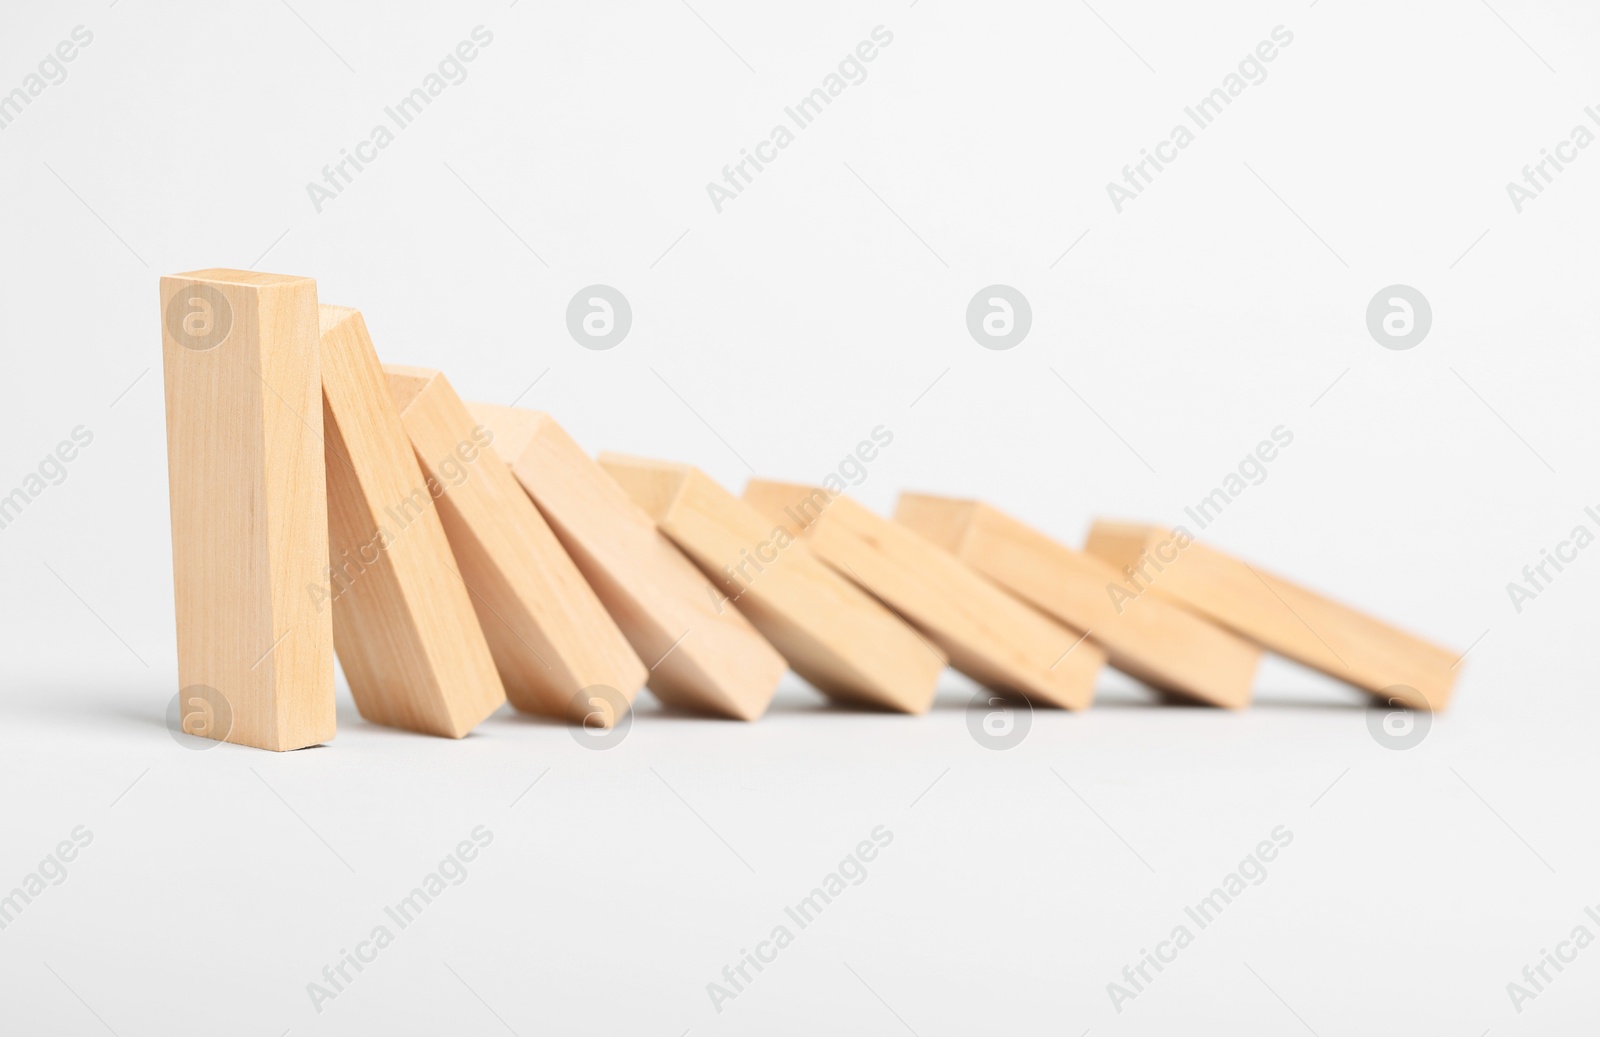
(826, 300)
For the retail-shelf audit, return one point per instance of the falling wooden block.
(249, 511)
(989, 635)
(559, 653)
(702, 655)
(1158, 642)
(1277, 614)
(833, 634)
(403, 623)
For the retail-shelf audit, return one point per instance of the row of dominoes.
(457, 556)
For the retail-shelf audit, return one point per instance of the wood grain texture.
(1162, 644)
(989, 635)
(403, 622)
(249, 510)
(551, 639)
(834, 634)
(1277, 614)
(703, 655)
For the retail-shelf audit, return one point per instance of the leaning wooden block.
(1154, 640)
(249, 511)
(702, 655)
(558, 652)
(403, 623)
(833, 634)
(1277, 614)
(989, 635)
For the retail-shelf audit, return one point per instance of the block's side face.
(732, 542)
(1359, 648)
(235, 561)
(1281, 616)
(297, 505)
(547, 630)
(704, 655)
(842, 639)
(723, 664)
(829, 630)
(608, 537)
(404, 626)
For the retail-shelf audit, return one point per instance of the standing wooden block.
(1152, 639)
(249, 514)
(403, 622)
(1277, 614)
(703, 655)
(989, 635)
(551, 638)
(833, 634)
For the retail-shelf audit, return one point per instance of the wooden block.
(249, 511)
(550, 637)
(1152, 639)
(1277, 614)
(989, 635)
(703, 655)
(833, 634)
(403, 623)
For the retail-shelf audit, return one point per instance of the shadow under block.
(989, 635)
(835, 635)
(1279, 615)
(703, 655)
(1162, 644)
(249, 511)
(551, 638)
(403, 623)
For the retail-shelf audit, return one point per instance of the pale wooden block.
(703, 655)
(1277, 614)
(550, 637)
(834, 634)
(1152, 639)
(249, 505)
(989, 635)
(403, 622)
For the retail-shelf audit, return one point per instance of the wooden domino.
(990, 636)
(403, 622)
(1162, 644)
(558, 651)
(833, 633)
(249, 506)
(1277, 614)
(702, 655)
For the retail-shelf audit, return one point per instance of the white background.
(827, 299)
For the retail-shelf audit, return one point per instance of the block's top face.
(945, 521)
(656, 486)
(794, 506)
(330, 317)
(242, 278)
(407, 383)
(515, 429)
